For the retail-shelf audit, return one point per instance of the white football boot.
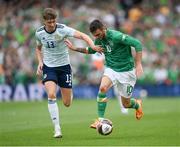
(57, 132)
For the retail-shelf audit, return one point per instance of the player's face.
(50, 25)
(99, 33)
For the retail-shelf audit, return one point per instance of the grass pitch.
(28, 124)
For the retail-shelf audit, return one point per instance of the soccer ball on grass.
(104, 127)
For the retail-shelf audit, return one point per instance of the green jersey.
(117, 50)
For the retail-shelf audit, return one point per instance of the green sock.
(134, 104)
(101, 102)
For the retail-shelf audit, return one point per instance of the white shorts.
(124, 81)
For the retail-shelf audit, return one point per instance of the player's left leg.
(123, 109)
(65, 83)
(127, 81)
(117, 94)
(67, 96)
(130, 102)
(135, 104)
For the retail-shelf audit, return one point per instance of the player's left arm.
(131, 41)
(138, 62)
(138, 57)
(86, 50)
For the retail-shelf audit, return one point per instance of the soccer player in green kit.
(120, 67)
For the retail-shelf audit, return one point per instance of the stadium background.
(154, 23)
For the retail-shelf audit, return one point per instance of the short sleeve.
(69, 31)
(38, 41)
(128, 40)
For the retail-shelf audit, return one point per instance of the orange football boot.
(139, 112)
(94, 125)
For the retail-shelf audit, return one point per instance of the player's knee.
(103, 89)
(126, 104)
(51, 95)
(67, 104)
(102, 99)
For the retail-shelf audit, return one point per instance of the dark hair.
(49, 13)
(95, 24)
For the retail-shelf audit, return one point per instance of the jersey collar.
(50, 32)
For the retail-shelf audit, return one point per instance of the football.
(104, 127)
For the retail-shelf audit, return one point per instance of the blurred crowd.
(155, 23)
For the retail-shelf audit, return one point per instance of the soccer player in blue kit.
(54, 62)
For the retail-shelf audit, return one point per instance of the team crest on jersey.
(45, 76)
(110, 43)
(58, 37)
(124, 37)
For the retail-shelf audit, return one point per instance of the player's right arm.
(39, 55)
(40, 60)
(86, 50)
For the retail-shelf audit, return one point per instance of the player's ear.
(104, 28)
(44, 21)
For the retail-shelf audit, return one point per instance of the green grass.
(28, 123)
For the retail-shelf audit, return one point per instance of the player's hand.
(69, 44)
(139, 70)
(98, 49)
(39, 69)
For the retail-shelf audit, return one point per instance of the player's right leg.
(102, 99)
(53, 107)
(49, 81)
